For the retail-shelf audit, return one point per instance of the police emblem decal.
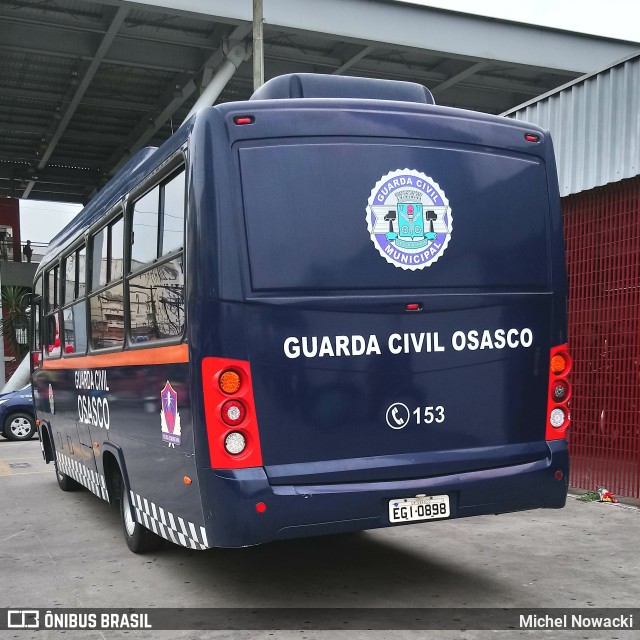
(409, 219)
(169, 416)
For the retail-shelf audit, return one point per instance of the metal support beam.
(144, 131)
(107, 40)
(458, 77)
(258, 51)
(459, 35)
(349, 63)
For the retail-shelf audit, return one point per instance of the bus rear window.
(307, 209)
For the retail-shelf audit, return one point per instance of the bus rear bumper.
(310, 510)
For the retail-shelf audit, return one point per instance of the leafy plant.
(14, 318)
(589, 496)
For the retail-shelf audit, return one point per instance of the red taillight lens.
(559, 393)
(560, 390)
(233, 412)
(232, 427)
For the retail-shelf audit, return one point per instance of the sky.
(613, 18)
(40, 221)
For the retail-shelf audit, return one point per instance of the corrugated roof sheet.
(595, 125)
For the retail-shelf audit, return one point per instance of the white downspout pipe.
(258, 50)
(226, 70)
(21, 377)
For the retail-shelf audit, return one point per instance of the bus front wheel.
(138, 538)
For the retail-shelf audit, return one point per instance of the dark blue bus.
(332, 307)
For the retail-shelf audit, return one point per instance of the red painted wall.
(602, 231)
(10, 216)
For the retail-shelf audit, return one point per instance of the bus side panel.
(56, 404)
(145, 410)
(152, 423)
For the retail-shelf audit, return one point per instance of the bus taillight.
(235, 443)
(232, 427)
(233, 412)
(559, 393)
(229, 381)
(559, 390)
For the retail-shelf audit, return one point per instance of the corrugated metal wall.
(602, 230)
(595, 126)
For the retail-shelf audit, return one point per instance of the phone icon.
(397, 415)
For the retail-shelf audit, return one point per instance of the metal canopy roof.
(84, 84)
(595, 124)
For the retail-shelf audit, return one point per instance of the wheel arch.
(115, 470)
(46, 441)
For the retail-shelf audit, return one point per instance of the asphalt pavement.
(66, 550)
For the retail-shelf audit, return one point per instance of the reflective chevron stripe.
(83, 475)
(168, 525)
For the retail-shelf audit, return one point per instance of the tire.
(65, 482)
(138, 538)
(19, 426)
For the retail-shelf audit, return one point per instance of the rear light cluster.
(559, 393)
(232, 428)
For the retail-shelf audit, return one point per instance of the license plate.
(420, 508)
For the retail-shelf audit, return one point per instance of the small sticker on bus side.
(169, 416)
(409, 219)
(52, 404)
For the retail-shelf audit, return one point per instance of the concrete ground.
(66, 550)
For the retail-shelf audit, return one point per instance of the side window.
(74, 275)
(144, 229)
(52, 336)
(82, 272)
(106, 308)
(116, 256)
(107, 247)
(52, 289)
(75, 328)
(156, 302)
(156, 291)
(106, 314)
(52, 328)
(70, 279)
(99, 251)
(74, 320)
(173, 218)
(36, 324)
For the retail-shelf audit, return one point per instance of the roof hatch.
(311, 85)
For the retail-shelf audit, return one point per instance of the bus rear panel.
(392, 276)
